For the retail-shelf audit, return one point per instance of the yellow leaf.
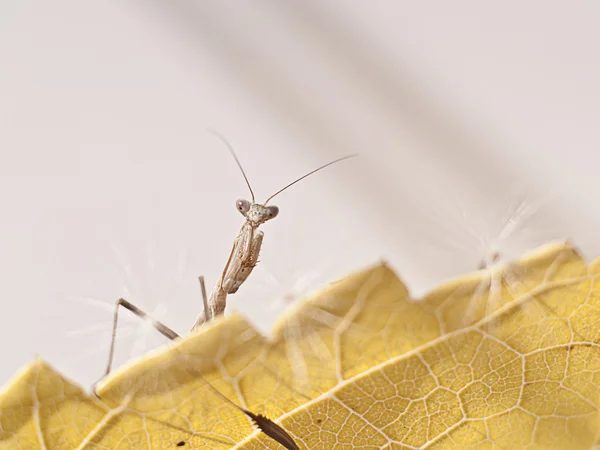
(505, 358)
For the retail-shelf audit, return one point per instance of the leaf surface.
(500, 359)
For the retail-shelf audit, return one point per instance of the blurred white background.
(463, 112)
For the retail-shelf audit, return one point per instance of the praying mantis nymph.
(247, 244)
(242, 260)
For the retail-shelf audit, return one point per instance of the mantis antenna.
(308, 174)
(230, 148)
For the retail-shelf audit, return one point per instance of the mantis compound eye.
(272, 211)
(243, 206)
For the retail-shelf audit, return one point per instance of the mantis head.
(255, 213)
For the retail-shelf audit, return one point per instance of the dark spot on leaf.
(180, 444)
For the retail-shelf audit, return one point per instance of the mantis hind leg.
(211, 307)
(161, 328)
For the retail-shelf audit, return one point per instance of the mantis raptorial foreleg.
(242, 260)
(241, 268)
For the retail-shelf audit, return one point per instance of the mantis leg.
(161, 328)
(242, 268)
(208, 313)
(239, 266)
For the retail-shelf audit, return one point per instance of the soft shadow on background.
(470, 119)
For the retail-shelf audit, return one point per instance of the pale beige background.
(110, 186)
